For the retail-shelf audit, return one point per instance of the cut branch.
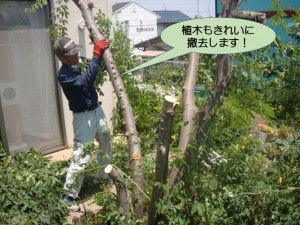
(250, 15)
(132, 136)
(162, 155)
(118, 180)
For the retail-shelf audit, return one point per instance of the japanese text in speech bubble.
(212, 36)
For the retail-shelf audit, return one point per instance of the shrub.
(257, 184)
(166, 74)
(146, 106)
(282, 91)
(30, 193)
(111, 212)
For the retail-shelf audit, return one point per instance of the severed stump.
(118, 180)
(162, 154)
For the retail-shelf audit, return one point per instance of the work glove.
(100, 46)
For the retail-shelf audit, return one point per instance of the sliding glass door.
(28, 92)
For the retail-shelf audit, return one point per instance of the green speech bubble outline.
(242, 35)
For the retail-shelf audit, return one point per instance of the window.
(141, 23)
(29, 115)
(126, 27)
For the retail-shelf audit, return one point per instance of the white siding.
(142, 23)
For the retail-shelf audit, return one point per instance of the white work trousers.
(88, 126)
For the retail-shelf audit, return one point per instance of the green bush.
(146, 107)
(166, 74)
(257, 184)
(111, 213)
(282, 91)
(30, 192)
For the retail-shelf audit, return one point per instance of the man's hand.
(99, 47)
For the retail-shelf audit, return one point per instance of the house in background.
(151, 48)
(140, 24)
(143, 27)
(155, 46)
(33, 111)
(168, 18)
(265, 6)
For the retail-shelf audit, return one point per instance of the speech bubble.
(212, 36)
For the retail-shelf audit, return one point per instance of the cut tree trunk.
(117, 177)
(189, 107)
(162, 155)
(128, 117)
(189, 111)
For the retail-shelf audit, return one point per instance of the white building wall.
(142, 23)
(81, 36)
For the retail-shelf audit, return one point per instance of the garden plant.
(229, 176)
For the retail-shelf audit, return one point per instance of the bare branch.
(117, 177)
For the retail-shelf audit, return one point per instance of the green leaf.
(194, 209)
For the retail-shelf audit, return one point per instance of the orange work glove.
(99, 47)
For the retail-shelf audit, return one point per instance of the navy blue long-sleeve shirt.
(79, 88)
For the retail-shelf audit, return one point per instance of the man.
(89, 121)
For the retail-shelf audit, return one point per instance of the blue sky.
(206, 8)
